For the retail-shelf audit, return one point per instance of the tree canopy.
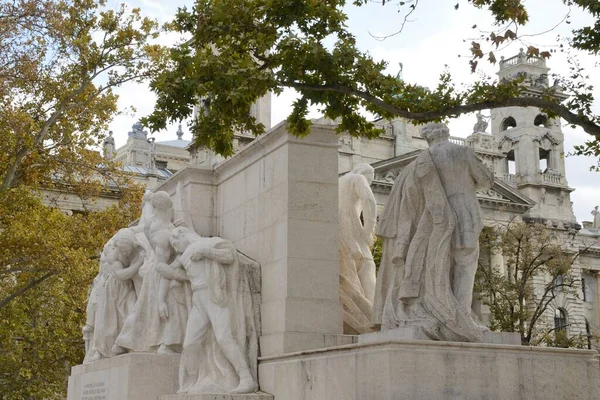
(236, 51)
(59, 61)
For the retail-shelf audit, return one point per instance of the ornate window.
(560, 321)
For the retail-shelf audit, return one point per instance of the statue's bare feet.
(164, 349)
(247, 383)
(97, 356)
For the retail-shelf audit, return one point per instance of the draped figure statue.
(431, 226)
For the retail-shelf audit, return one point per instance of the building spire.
(179, 133)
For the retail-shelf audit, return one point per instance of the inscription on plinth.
(94, 391)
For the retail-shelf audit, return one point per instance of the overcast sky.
(436, 36)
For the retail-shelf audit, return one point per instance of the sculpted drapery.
(430, 227)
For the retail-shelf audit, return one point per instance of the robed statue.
(430, 227)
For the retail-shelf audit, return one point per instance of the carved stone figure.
(596, 221)
(158, 320)
(357, 269)
(108, 146)
(481, 124)
(220, 350)
(430, 227)
(112, 296)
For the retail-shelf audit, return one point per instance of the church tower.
(533, 144)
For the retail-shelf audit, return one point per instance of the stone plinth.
(216, 396)
(134, 376)
(416, 333)
(432, 370)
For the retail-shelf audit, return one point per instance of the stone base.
(416, 333)
(133, 376)
(432, 370)
(218, 396)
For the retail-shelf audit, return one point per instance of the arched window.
(541, 120)
(508, 123)
(560, 320)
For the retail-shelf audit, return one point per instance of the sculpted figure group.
(165, 289)
(168, 290)
(430, 228)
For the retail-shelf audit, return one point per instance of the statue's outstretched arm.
(173, 271)
(223, 253)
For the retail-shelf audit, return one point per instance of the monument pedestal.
(414, 369)
(218, 396)
(133, 376)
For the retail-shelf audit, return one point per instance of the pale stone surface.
(357, 269)
(430, 228)
(220, 349)
(217, 396)
(416, 333)
(277, 201)
(135, 376)
(432, 370)
(113, 294)
(158, 319)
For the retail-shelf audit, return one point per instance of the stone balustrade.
(521, 59)
(511, 179)
(551, 178)
(457, 140)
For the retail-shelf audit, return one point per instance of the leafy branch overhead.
(238, 50)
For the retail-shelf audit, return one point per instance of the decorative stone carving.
(112, 296)
(430, 228)
(108, 146)
(179, 274)
(357, 269)
(158, 320)
(481, 124)
(220, 350)
(596, 221)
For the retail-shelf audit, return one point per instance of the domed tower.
(532, 144)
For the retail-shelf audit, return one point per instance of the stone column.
(278, 202)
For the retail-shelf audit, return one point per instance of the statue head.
(109, 253)
(181, 237)
(435, 132)
(161, 200)
(124, 241)
(366, 170)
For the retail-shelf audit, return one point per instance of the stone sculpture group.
(166, 289)
(430, 229)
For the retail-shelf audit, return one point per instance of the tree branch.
(25, 288)
(584, 122)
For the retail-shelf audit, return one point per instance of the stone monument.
(213, 360)
(277, 201)
(357, 269)
(481, 124)
(431, 227)
(108, 146)
(596, 221)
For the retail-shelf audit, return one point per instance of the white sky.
(436, 36)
